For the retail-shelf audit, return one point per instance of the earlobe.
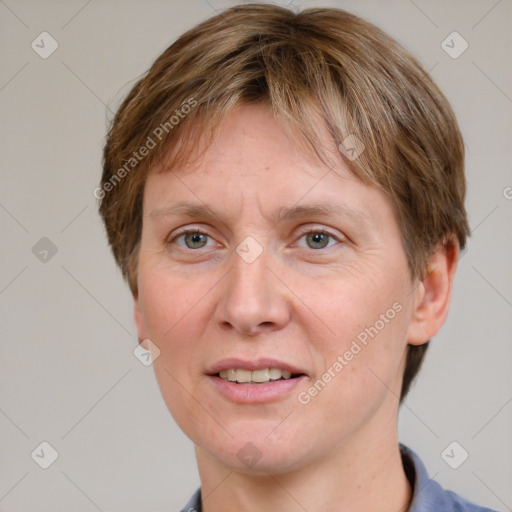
(434, 294)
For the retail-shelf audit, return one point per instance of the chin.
(251, 460)
(256, 449)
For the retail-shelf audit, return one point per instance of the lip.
(254, 393)
(252, 365)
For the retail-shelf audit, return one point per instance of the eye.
(193, 239)
(196, 239)
(319, 239)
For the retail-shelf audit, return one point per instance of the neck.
(370, 479)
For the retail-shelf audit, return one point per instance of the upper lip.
(253, 364)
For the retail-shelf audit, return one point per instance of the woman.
(284, 194)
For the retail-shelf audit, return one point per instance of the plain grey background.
(68, 374)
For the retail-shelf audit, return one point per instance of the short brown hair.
(320, 63)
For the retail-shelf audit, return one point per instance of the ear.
(140, 322)
(433, 294)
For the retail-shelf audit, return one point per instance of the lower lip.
(255, 393)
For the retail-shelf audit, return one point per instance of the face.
(259, 257)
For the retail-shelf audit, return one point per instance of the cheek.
(170, 302)
(171, 306)
(178, 315)
(361, 308)
(362, 345)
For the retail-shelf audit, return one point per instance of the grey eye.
(318, 239)
(194, 239)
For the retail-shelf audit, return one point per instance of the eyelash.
(301, 235)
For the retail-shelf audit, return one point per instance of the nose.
(253, 298)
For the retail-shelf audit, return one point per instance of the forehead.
(253, 160)
(251, 142)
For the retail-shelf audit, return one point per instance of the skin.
(303, 301)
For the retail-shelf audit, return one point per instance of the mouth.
(260, 376)
(261, 380)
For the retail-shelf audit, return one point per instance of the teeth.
(257, 376)
(261, 375)
(275, 373)
(243, 376)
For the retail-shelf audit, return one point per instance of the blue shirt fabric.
(428, 495)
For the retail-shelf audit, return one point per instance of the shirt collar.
(427, 493)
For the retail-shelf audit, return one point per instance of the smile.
(255, 380)
(260, 376)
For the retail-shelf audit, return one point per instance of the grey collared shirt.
(428, 495)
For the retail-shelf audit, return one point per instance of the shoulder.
(194, 504)
(459, 504)
(428, 495)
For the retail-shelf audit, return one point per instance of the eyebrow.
(284, 213)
